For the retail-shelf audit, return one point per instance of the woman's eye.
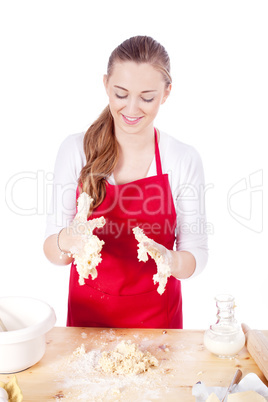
(120, 97)
(125, 96)
(147, 100)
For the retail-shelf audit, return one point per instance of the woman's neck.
(136, 152)
(135, 142)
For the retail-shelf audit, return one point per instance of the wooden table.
(183, 361)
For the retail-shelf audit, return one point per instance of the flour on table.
(87, 259)
(163, 270)
(127, 358)
(83, 379)
(80, 351)
(116, 392)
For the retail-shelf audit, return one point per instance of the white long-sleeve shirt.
(186, 177)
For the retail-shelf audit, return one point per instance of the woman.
(137, 176)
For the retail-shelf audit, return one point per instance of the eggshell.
(3, 394)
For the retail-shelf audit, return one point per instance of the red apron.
(123, 295)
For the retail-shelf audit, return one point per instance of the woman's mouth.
(131, 120)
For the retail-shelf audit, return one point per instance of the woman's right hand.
(78, 232)
(71, 240)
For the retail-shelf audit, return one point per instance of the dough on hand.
(247, 396)
(87, 259)
(163, 269)
(126, 358)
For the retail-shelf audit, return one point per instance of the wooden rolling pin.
(257, 345)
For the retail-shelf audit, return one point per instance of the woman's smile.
(131, 120)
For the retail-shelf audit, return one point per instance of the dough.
(83, 204)
(213, 398)
(80, 351)
(247, 396)
(13, 390)
(163, 270)
(87, 259)
(127, 359)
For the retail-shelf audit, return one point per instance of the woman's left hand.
(156, 250)
(181, 263)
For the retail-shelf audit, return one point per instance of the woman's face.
(135, 93)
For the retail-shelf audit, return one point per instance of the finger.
(153, 247)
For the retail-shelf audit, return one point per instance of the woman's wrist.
(62, 244)
(183, 264)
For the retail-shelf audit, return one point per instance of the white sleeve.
(191, 231)
(69, 162)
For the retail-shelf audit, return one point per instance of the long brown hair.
(100, 144)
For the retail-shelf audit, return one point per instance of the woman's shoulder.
(73, 146)
(175, 150)
(71, 154)
(181, 161)
(73, 141)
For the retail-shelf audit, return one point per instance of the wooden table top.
(183, 361)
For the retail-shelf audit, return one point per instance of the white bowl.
(27, 321)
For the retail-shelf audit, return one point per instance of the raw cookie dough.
(80, 351)
(126, 358)
(87, 259)
(13, 390)
(163, 270)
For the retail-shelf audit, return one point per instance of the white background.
(53, 57)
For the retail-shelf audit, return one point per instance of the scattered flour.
(83, 379)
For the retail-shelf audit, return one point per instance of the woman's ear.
(105, 80)
(166, 93)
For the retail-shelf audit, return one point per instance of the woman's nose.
(132, 107)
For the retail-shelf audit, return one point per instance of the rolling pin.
(257, 346)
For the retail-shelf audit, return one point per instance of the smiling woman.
(137, 176)
(129, 103)
(137, 65)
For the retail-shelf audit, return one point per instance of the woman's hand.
(181, 263)
(70, 240)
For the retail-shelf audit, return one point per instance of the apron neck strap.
(157, 155)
